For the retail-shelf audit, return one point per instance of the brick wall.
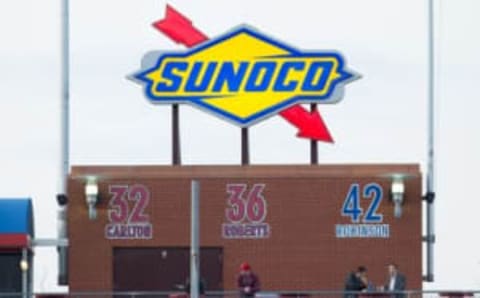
(303, 206)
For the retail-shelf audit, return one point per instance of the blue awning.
(16, 222)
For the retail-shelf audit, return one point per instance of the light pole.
(195, 240)
(24, 268)
(430, 195)
(64, 143)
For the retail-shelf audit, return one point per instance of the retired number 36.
(246, 212)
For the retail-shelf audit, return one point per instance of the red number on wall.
(118, 211)
(141, 196)
(236, 212)
(254, 207)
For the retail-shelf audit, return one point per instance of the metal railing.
(234, 294)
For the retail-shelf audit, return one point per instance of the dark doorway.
(164, 268)
(10, 273)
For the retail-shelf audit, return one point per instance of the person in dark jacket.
(355, 282)
(396, 281)
(247, 281)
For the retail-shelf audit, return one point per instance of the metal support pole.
(176, 157)
(62, 250)
(24, 268)
(195, 241)
(46, 242)
(430, 239)
(65, 110)
(313, 143)
(245, 147)
(65, 150)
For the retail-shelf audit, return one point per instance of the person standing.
(356, 281)
(396, 281)
(247, 281)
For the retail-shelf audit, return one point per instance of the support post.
(429, 198)
(64, 142)
(313, 143)
(176, 157)
(195, 241)
(245, 147)
(24, 268)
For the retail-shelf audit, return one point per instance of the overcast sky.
(381, 119)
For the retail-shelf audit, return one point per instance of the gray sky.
(381, 119)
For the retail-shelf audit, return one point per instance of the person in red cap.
(247, 281)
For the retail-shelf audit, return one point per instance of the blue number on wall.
(351, 206)
(373, 191)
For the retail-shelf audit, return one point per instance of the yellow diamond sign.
(244, 76)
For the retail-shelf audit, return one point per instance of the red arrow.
(310, 124)
(180, 29)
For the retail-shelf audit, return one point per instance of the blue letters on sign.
(312, 83)
(228, 75)
(192, 82)
(280, 84)
(174, 80)
(262, 71)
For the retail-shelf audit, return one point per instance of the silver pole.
(24, 268)
(195, 240)
(64, 167)
(431, 134)
(64, 142)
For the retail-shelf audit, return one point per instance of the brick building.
(300, 227)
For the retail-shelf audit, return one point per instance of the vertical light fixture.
(91, 197)
(397, 191)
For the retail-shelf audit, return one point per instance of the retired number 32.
(127, 222)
